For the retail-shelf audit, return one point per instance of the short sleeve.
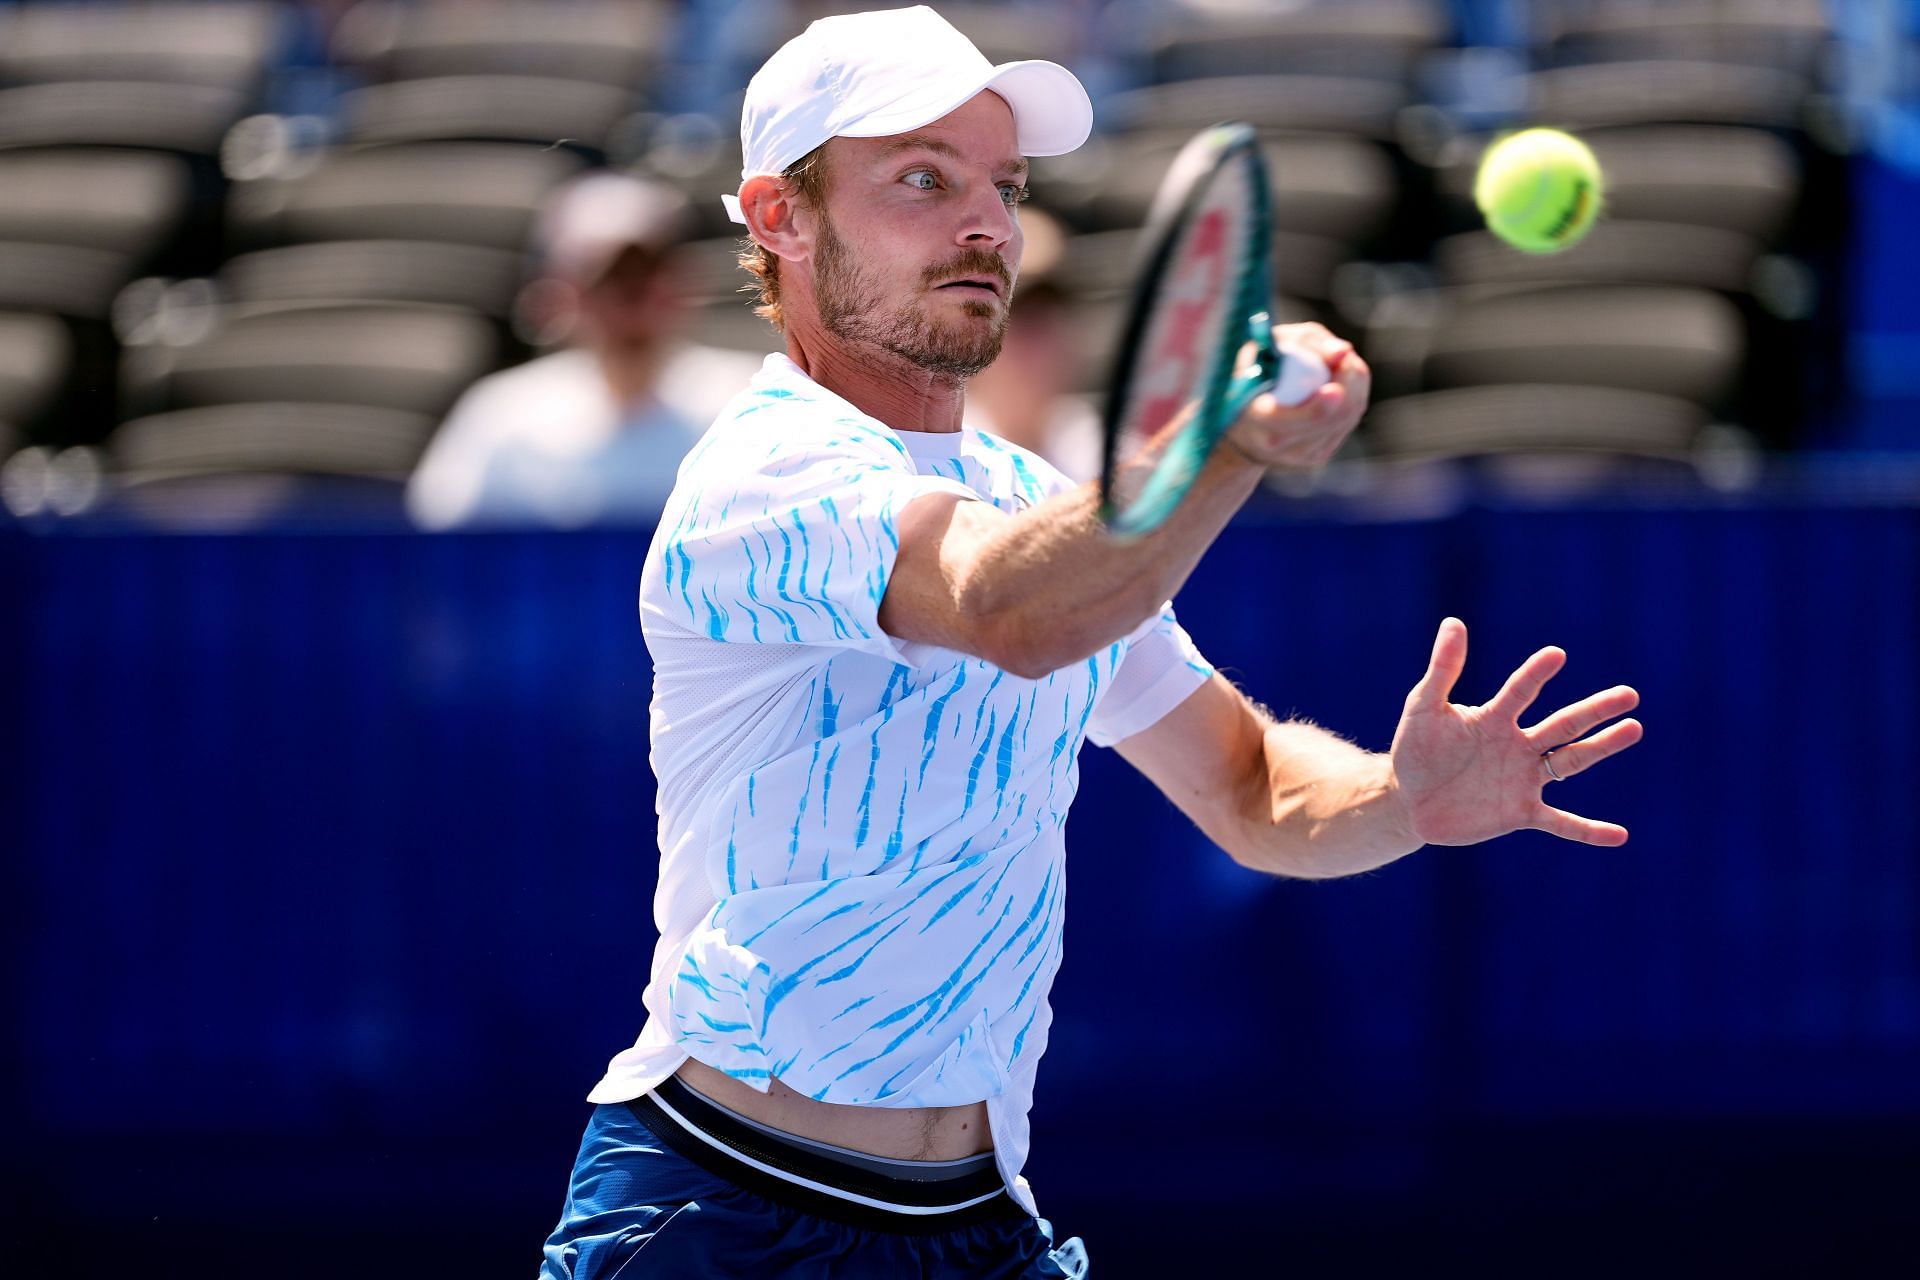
(793, 546)
(1160, 669)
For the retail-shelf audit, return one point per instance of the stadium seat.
(65, 280)
(224, 45)
(529, 109)
(124, 201)
(1003, 32)
(1341, 189)
(323, 439)
(189, 119)
(600, 41)
(1369, 39)
(407, 359)
(1667, 92)
(465, 193)
(470, 277)
(1787, 35)
(1297, 103)
(1533, 418)
(35, 353)
(1684, 343)
(1615, 252)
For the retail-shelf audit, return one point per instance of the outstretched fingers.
(1443, 668)
(1570, 761)
(1525, 684)
(1583, 755)
(1583, 717)
(1571, 826)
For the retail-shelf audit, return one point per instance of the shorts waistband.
(800, 1174)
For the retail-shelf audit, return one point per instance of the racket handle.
(1301, 374)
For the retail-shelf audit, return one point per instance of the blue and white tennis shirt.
(862, 867)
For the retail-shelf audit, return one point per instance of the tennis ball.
(1539, 189)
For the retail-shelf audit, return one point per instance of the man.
(594, 432)
(879, 639)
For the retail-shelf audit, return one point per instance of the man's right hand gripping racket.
(1204, 292)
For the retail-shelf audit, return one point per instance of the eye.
(921, 179)
(1012, 193)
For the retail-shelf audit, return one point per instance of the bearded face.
(953, 337)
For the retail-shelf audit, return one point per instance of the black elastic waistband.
(793, 1174)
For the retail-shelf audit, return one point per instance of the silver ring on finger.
(1546, 758)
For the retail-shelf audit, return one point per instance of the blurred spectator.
(593, 432)
(1027, 395)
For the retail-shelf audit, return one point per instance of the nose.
(989, 221)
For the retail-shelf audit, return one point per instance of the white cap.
(871, 75)
(590, 221)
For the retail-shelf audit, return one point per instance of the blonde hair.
(808, 176)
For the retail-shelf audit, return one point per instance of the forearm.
(1053, 586)
(1048, 587)
(1320, 807)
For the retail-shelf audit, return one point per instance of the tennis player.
(879, 639)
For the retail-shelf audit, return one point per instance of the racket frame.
(1223, 396)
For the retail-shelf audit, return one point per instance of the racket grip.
(1301, 374)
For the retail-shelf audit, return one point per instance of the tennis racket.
(1204, 291)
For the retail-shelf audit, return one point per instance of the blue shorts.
(687, 1191)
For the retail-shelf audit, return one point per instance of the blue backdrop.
(329, 860)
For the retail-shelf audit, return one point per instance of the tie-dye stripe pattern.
(863, 875)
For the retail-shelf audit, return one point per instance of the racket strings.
(1185, 350)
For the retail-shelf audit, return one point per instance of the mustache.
(969, 262)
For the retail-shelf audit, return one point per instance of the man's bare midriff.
(902, 1133)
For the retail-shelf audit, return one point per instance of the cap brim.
(1052, 114)
(1051, 110)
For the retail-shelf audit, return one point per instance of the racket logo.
(1176, 357)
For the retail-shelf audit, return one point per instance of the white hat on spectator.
(870, 75)
(588, 223)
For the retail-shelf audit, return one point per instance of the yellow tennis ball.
(1539, 189)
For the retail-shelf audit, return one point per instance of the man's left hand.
(1467, 774)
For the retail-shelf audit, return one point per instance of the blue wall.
(330, 858)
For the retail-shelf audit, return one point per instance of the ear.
(776, 219)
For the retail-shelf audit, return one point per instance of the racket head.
(1201, 293)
